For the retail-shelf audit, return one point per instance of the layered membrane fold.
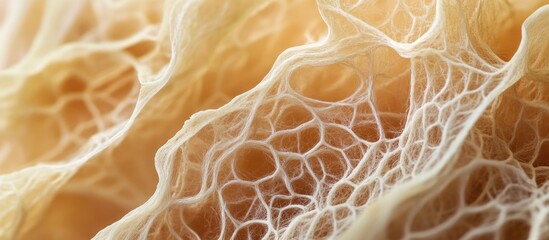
(274, 119)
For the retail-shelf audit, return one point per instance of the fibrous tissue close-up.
(274, 119)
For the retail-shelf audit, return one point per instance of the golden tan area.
(274, 119)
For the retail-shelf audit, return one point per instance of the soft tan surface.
(290, 119)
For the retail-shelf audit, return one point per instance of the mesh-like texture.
(368, 119)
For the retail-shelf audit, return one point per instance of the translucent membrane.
(290, 119)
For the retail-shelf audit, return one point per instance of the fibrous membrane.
(274, 119)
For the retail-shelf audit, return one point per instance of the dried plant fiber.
(274, 119)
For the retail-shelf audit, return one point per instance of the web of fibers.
(402, 122)
(405, 119)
